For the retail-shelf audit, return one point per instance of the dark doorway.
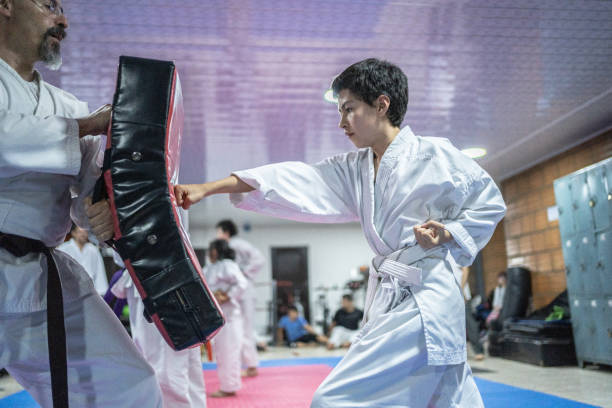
(290, 271)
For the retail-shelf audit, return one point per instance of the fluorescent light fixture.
(474, 152)
(329, 96)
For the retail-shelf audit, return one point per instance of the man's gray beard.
(50, 54)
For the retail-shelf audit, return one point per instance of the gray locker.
(573, 271)
(587, 256)
(603, 317)
(597, 182)
(604, 260)
(584, 199)
(606, 332)
(563, 196)
(581, 210)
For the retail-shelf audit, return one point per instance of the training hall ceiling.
(524, 79)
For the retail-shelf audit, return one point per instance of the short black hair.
(348, 297)
(228, 226)
(370, 78)
(223, 249)
(291, 307)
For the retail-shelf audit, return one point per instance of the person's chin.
(358, 144)
(355, 142)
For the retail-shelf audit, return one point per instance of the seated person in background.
(298, 331)
(345, 324)
(498, 297)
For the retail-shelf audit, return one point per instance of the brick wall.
(530, 240)
(494, 258)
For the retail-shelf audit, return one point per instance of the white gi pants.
(341, 335)
(386, 366)
(179, 373)
(226, 349)
(249, 355)
(104, 367)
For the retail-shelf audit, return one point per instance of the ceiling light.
(329, 96)
(474, 152)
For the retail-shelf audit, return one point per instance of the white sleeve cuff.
(463, 249)
(73, 146)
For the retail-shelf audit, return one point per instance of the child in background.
(228, 284)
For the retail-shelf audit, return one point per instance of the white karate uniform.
(250, 261)
(225, 275)
(341, 335)
(415, 333)
(179, 373)
(45, 173)
(90, 259)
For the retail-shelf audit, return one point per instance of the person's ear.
(383, 102)
(6, 7)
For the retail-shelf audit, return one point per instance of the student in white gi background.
(47, 167)
(88, 256)
(424, 208)
(227, 282)
(251, 261)
(179, 373)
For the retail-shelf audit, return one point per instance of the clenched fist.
(189, 194)
(100, 219)
(431, 234)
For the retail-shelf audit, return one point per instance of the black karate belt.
(141, 165)
(56, 331)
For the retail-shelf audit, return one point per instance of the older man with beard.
(57, 337)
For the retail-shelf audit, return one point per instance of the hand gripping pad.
(141, 165)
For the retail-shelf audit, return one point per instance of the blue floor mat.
(287, 362)
(494, 394)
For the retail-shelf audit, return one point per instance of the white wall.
(333, 251)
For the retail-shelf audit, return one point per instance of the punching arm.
(189, 194)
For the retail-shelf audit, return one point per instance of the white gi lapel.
(367, 222)
(367, 217)
(387, 262)
(45, 102)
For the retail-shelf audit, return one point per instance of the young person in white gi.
(179, 373)
(227, 282)
(251, 261)
(424, 208)
(47, 167)
(88, 256)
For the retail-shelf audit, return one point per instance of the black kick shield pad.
(141, 166)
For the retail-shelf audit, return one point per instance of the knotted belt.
(398, 265)
(56, 331)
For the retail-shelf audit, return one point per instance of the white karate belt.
(398, 265)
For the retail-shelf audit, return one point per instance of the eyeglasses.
(50, 7)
